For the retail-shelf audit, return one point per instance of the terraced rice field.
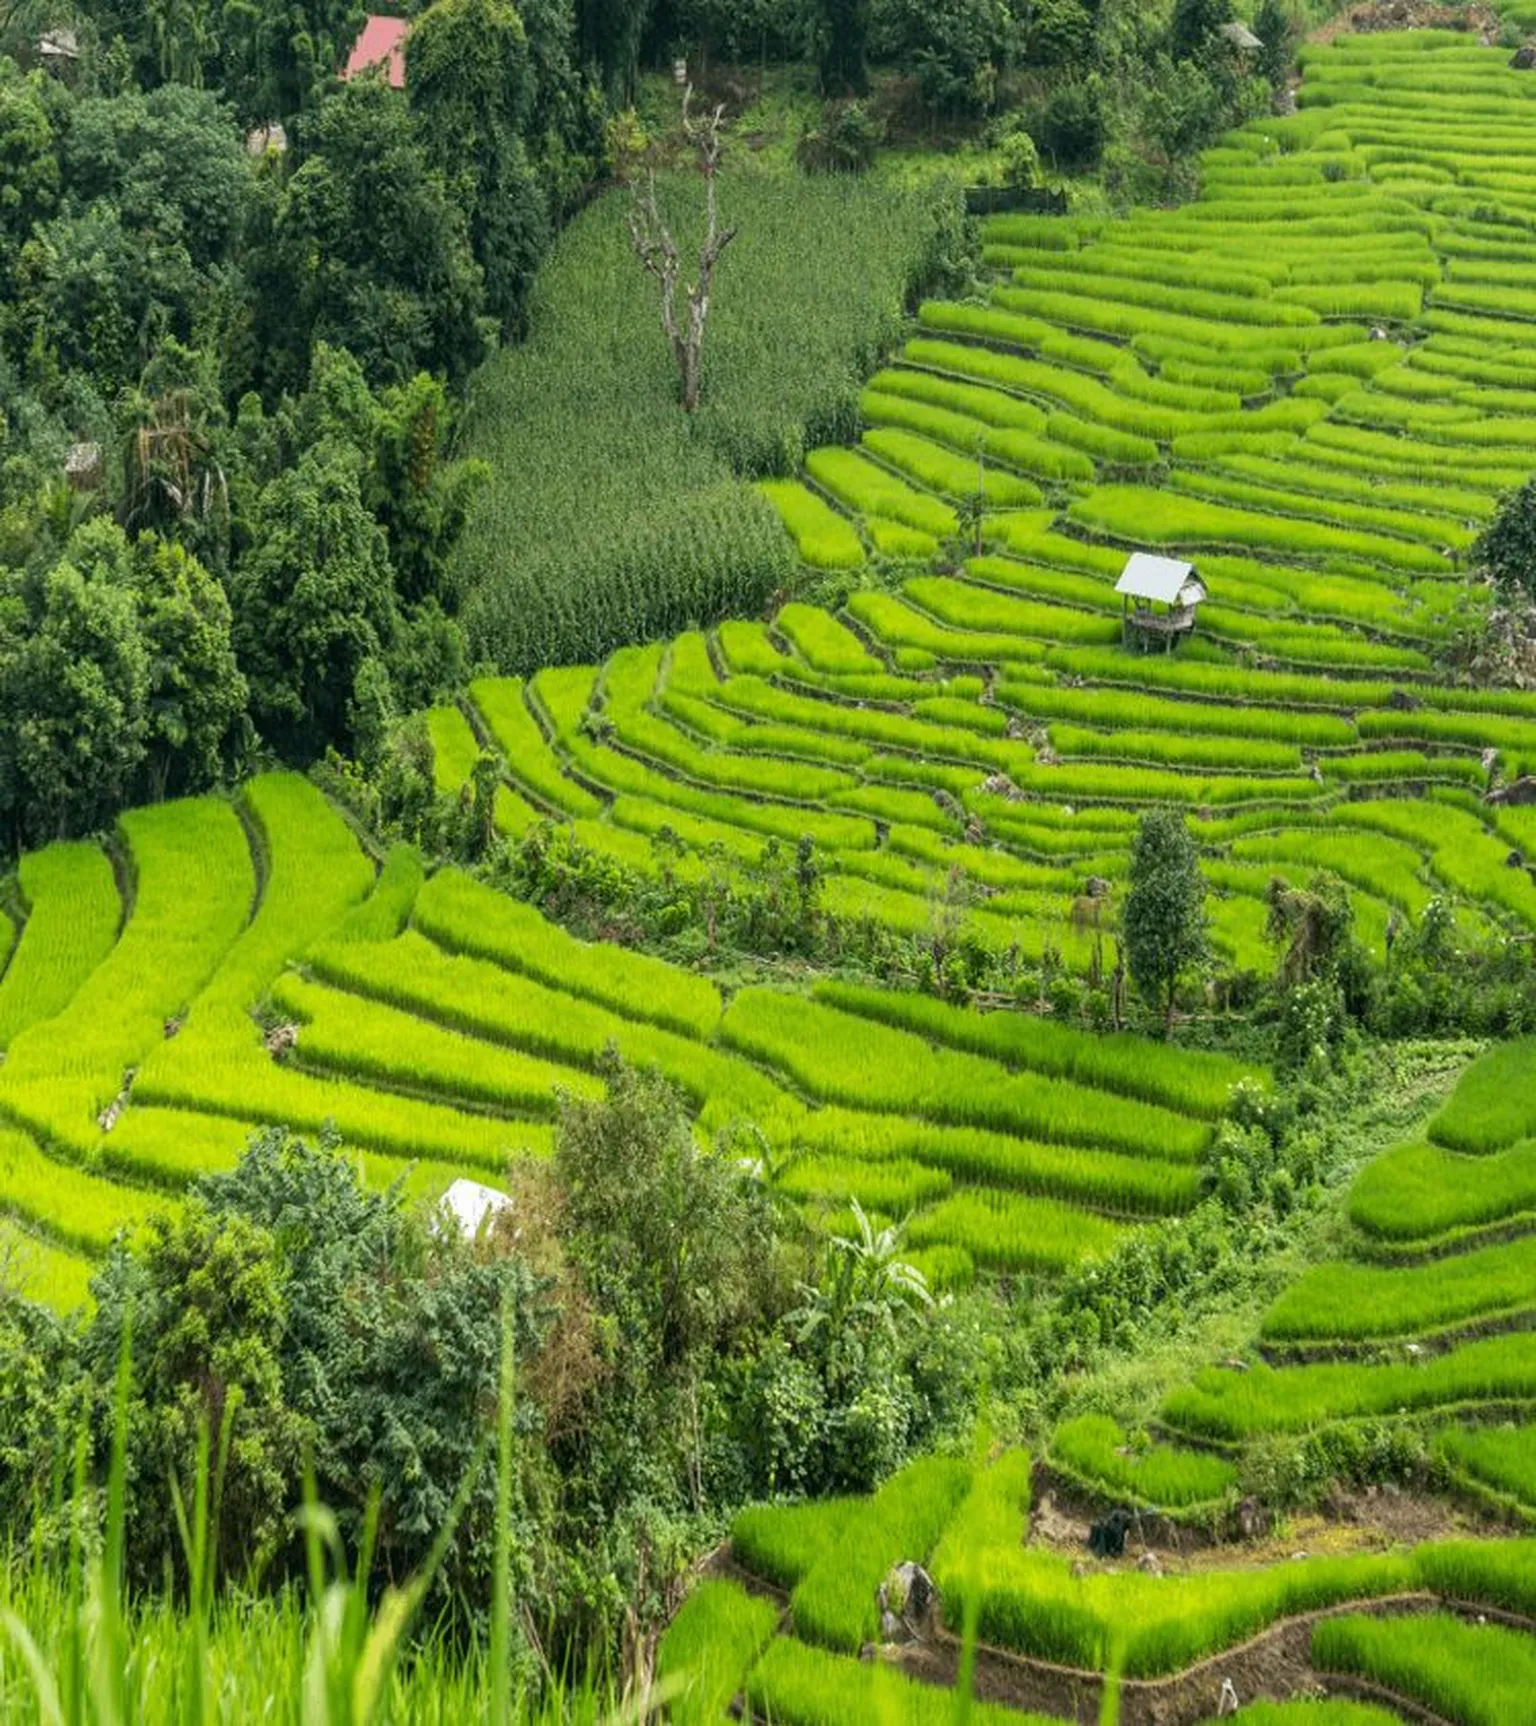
(437, 1021)
(1314, 381)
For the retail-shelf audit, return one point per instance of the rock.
(1096, 887)
(1521, 792)
(1524, 58)
(1403, 702)
(172, 1026)
(906, 1599)
(282, 1040)
(1150, 1563)
(1251, 1519)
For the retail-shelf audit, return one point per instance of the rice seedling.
(823, 538)
(464, 916)
(1192, 1081)
(1478, 1673)
(784, 1543)
(867, 488)
(1420, 1192)
(1499, 1459)
(73, 912)
(42, 1271)
(1356, 1301)
(1105, 1180)
(841, 1058)
(1095, 1449)
(797, 1685)
(834, 1602)
(942, 470)
(69, 1204)
(455, 749)
(377, 1044)
(1493, 1104)
(1012, 1232)
(195, 883)
(1232, 1405)
(709, 1647)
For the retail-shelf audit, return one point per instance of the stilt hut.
(1161, 595)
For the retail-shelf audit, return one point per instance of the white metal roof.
(470, 1205)
(1159, 578)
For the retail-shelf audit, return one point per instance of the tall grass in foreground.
(76, 1648)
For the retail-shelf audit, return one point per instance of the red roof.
(383, 39)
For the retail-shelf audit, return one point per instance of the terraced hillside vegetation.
(1314, 381)
(1388, 1345)
(259, 972)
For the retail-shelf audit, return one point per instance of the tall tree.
(1164, 915)
(74, 694)
(374, 249)
(471, 81)
(610, 33)
(279, 55)
(314, 601)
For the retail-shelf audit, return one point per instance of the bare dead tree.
(657, 251)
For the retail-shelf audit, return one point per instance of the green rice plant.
(1136, 514)
(823, 538)
(1095, 1449)
(464, 916)
(891, 1188)
(74, 1207)
(864, 486)
(797, 1685)
(1192, 1081)
(73, 913)
(1462, 851)
(834, 1602)
(455, 749)
(1013, 1232)
(1494, 1103)
(990, 407)
(195, 884)
(839, 1057)
(963, 605)
(1171, 750)
(1432, 530)
(1030, 1601)
(485, 1000)
(1245, 304)
(941, 470)
(895, 540)
(1405, 766)
(783, 1543)
(1103, 1180)
(524, 747)
(1103, 443)
(1499, 1573)
(375, 1044)
(993, 1515)
(387, 909)
(709, 1647)
(1114, 708)
(42, 1271)
(1478, 1673)
(1421, 1192)
(1470, 730)
(1232, 1405)
(1499, 1460)
(1355, 1301)
(1390, 868)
